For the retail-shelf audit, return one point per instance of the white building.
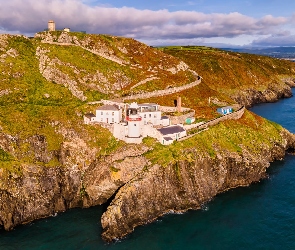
(171, 133)
(109, 114)
(150, 114)
(88, 118)
(139, 122)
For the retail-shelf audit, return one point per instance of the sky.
(217, 23)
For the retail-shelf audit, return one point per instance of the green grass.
(251, 132)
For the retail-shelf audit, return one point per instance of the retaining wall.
(162, 92)
(172, 109)
(233, 116)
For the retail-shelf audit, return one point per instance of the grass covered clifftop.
(251, 133)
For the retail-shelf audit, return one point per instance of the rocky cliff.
(36, 191)
(188, 182)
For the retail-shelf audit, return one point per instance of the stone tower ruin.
(51, 25)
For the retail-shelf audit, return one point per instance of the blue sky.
(196, 22)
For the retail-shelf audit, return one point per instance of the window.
(112, 119)
(155, 116)
(101, 113)
(150, 115)
(144, 116)
(113, 113)
(134, 124)
(101, 119)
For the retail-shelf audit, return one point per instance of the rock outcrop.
(251, 97)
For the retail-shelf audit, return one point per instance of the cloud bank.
(30, 16)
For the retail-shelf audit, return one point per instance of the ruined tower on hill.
(51, 25)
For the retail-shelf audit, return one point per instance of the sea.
(261, 216)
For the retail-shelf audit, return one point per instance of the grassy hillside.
(110, 65)
(47, 81)
(230, 72)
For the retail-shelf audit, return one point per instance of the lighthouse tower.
(134, 120)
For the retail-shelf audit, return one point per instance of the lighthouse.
(134, 121)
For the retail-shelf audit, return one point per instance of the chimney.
(178, 104)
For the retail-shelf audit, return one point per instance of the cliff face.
(186, 185)
(36, 191)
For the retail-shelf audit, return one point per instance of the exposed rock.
(251, 97)
(12, 52)
(106, 175)
(36, 193)
(64, 38)
(3, 42)
(290, 81)
(53, 74)
(5, 92)
(179, 67)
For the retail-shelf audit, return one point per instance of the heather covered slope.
(246, 78)
(106, 65)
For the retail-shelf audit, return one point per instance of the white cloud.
(31, 16)
(281, 40)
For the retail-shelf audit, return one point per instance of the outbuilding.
(174, 132)
(225, 110)
(88, 118)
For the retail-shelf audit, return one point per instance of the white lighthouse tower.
(134, 121)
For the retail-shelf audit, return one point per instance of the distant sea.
(261, 216)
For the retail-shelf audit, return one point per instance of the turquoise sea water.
(261, 216)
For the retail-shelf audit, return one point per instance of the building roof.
(171, 130)
(89, 115)
(108, 107)
(167, 138)
(164, 117)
